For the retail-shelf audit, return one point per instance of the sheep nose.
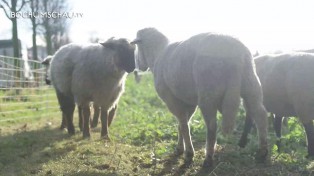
(48, 82)
(130, 70)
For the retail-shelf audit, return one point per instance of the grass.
(143, 137)
(28, 103)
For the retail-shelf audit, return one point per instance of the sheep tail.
(230, 105)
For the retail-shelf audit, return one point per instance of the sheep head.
(124, 53)
(150, 43)
(46, 62)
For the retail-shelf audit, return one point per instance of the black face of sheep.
(140, 58)
(46, 63)
(124, 52)
(48, 82)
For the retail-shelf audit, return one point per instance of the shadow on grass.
(91, 174)
(29, 153)
(168, 164)
(24, 152)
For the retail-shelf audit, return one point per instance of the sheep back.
(203, 60)
(62, 66)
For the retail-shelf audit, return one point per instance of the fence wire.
(23, 92)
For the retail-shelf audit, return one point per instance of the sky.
(264, 25)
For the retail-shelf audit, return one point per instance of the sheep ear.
(109, 45)
(111, 39)
(136, 41)
(47, 60)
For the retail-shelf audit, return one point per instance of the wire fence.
(23, 92)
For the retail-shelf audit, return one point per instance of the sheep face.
(124, 53)
(46, 63)
(140, 59)
(141, 62)
(150, 43)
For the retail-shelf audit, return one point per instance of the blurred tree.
(34, 8)
(55, 28)
(10, 9)
(94, 37)
(59, 39)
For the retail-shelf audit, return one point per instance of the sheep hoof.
(310, 156)
(71, 133)
(71, 130)
(86, 135)
(189, 154)
(278, 143)
(106, 137)
(208, 162)
(188, 159)
(178, 152)
(94, 125)
(242, 142)
(261, 155)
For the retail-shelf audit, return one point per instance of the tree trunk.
(48, 32)
(16, 51)
(16, 46)
(35, 57)
(48, 41)
(34, 26)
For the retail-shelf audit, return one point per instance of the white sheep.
(277, 119)
(288, 87)
(94, 122)
(93, 72)
(210, 71)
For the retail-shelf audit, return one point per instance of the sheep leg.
(67, 106)
(112, 114)
(247, 128)
(80, 111)
(69, 117)
(180, 146)
(277, 120)
(309, 129)
(137, 77)
(96, 116)
(183, 113)
(209, 113)
(179, 150)
(258, 114)
(185, 135)
(104, 124)
(230, 105)
(253, 99)
(86, 118)
(63, 122)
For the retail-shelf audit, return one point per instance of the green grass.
(143, 136)
(29, 103)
